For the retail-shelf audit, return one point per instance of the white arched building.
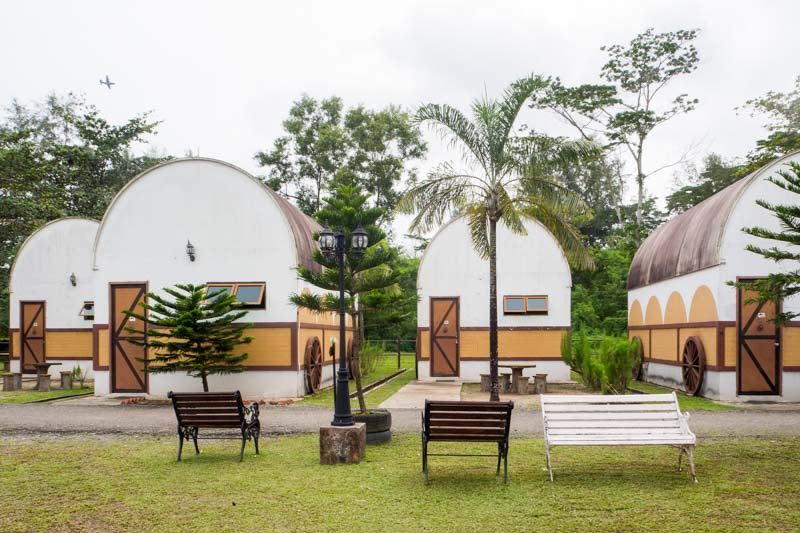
(50, 298)
(244, 238)
(697, 331)
(533, 292)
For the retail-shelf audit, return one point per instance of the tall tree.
(194, 332)
(344, 210)
(783, 110)
(507, 177)
(778, 286)
(391, 313)
(323, 142)
(715, 176)
(624, 110)
(60, 157)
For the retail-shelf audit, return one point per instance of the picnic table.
(43, 376)
(516, 375)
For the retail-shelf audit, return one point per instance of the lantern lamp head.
(327, 242)
(360, 240)
(190, 250)
(73, 279)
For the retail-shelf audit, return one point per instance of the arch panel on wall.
(635, 317)
(653, 313)
(675, 312)
(704, 306)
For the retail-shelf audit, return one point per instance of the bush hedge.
(604, 363)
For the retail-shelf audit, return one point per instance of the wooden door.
(444, 337)
(32, 333)
(758, 368)
(127, 371)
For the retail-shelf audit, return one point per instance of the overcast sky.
(223, 75)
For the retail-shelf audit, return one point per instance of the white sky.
(223, 75)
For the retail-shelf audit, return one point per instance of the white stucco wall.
(42, 269)
(238, 231)
(531, 264)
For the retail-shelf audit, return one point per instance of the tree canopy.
(324, 143)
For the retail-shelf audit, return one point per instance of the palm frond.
(456, 129)
(478, 222)
(565, 233)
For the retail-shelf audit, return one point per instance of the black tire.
(380, 437)
(377, 421)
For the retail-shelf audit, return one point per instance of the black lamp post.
(334, 245)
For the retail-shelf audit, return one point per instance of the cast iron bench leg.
(194, 438)
(499, 457)
(505, 463)
(180, 443)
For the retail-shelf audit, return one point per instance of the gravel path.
(69, 418)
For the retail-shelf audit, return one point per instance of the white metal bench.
(617, 420)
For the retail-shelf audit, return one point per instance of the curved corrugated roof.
(690, 241)
(302, 226)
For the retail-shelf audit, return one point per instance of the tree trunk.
(494, 392)
(204, 376)
(356, 370)
(640, 194)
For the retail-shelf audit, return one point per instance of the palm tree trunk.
(204, 376)
(494, 392)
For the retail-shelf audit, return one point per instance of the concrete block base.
(43, 382)
(339, 444)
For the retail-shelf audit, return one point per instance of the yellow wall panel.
(305, 316)
(65, 344)
(15, 348)
(424, 346)
(474, 344)
(708, 336)
(103, 347)
(664, 344)
(791, 347)
(730, 346)
(270, 347)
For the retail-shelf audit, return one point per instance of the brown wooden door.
(127, 371)
(32, 335)
(444, 337)
(758, 368)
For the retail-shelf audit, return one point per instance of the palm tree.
(508, 176)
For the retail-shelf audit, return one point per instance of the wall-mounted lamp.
(73, 279)
(190, 250)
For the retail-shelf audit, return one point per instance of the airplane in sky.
(108, 83)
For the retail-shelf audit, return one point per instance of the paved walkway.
(72, 418)
(413, 395)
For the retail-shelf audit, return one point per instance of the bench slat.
(632, 424)
(621, 408)
(599, 398)
(621, 442)
(462, 438)
(465, 416)
(226, 403)
(613, 431)
(469, 423)
(665, 415)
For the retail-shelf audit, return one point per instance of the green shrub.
(368, 357)
(604, 363)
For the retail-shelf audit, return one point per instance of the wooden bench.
(621, 420)
(466, 422)
(195, 410)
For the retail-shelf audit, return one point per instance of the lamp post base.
(342, 444)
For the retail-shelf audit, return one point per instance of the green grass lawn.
(687, 403)
(26, 396)
(134, 484)
(386, 366)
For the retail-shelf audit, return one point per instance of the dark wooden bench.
(467, 422)
(195, 410)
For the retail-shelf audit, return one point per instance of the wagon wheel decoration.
(313, 364)
(637, 368)
(693, 362)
